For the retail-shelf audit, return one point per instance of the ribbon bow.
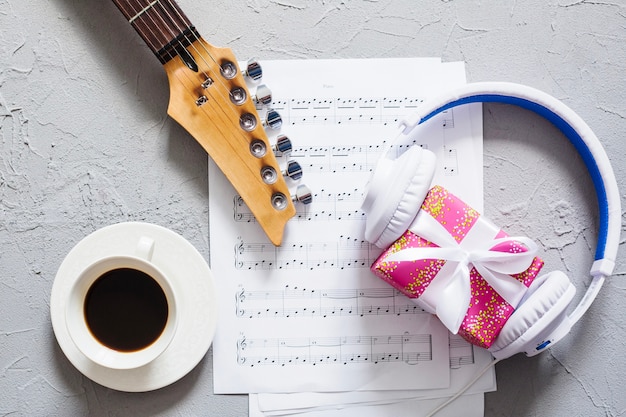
(493, 258)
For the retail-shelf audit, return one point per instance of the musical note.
(341, 350)
(345, 253)
(294, 302)
(345, 111)
(451, 162)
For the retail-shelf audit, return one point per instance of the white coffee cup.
(121, 311)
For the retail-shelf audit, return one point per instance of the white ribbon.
(453, 293)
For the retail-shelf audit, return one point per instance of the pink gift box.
(487, 310)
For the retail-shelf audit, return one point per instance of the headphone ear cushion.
(546, 300)
(395, 194)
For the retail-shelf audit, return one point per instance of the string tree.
(201, 100)
(207, 83)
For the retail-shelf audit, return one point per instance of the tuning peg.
(238, 96)
(303, 195)
(228, 70)
(283, 145)
(263, 95)
(253, 70)
(273, 119)
(293, 171)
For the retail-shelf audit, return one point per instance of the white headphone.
(398, 187)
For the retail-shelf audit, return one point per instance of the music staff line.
(344, 111)
(303, 302)
(334, 159)
(345, 350)
(342, 254)
(461, 352)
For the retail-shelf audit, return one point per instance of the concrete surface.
(85, 142)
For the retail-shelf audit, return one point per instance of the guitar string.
(138, 15)
(192, 41)
(141, 15)
(183, 19)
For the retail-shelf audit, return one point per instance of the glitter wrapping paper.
(487, 310)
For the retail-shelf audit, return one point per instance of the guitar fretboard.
(161, 24)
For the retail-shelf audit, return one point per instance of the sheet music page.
(466, 361)
(309, 315)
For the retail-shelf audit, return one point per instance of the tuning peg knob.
(273, 119)
(253, 70)
(263, 95)
(293, 171)
(283, 145)
(303, 195)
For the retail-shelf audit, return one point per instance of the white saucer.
(191, 278)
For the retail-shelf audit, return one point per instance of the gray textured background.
(85, 142)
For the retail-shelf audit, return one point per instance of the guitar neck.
(210, 99)
(162, 25)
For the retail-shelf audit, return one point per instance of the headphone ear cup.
(395, 194)
(541, 309)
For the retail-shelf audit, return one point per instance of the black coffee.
(126, 309)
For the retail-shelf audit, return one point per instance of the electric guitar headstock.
(210, 98)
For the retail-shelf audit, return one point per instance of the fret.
(142, 11)
(162, 25)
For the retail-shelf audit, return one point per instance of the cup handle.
(145, 248)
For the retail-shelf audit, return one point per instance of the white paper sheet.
(310, 316)
(472, 405)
